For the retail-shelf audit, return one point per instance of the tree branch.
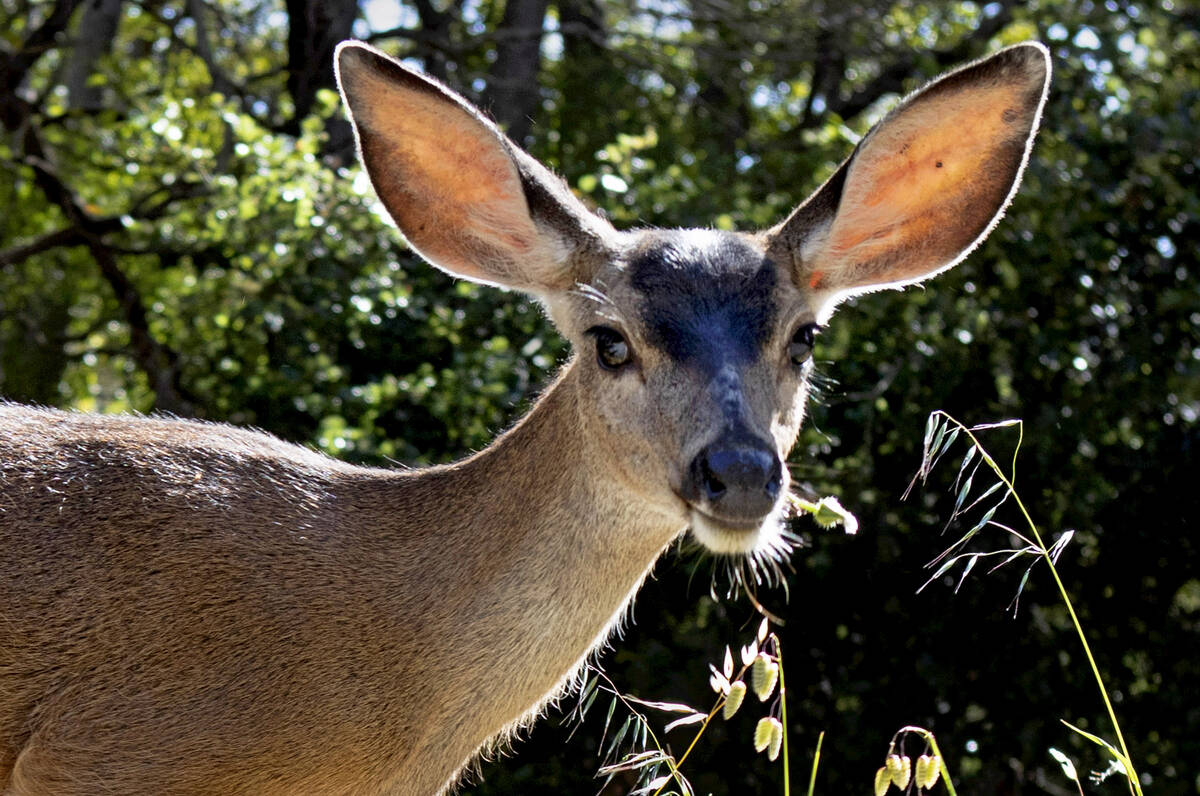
(157, 360)
(14, 67)
(67, 236)
(220, 81)
(891, 78)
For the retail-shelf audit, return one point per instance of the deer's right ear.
(924, 186)
(467, 199)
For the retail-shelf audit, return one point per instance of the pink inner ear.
(927, 184)
(445, 177)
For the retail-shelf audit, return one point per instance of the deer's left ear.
(924, 186)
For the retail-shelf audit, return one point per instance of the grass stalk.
(787, 788)
(1009, 483)
(812, 779)
(703, 726)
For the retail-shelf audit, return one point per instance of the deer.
(188, 607)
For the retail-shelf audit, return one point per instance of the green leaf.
(962, 468)
(966, 571)
(962, 495)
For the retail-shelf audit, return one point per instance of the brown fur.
(191, 608)
(280, 622)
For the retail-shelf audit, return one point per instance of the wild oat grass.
(633, 745)
(941, 432)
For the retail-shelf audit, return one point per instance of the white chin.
(732, 539)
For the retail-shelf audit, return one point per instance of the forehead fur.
(706, 297)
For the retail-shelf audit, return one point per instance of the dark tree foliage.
(183, 228)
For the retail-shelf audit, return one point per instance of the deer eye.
(800, 349)
(612, 351)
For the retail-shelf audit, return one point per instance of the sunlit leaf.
(966, 571)
(695, 718)
(1068, 767)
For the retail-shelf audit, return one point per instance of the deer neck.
(553, 528)
(536, 549)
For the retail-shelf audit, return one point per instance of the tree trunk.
(95, 36)
(512, 95)
(316, 27)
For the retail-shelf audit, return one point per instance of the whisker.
(595, 294)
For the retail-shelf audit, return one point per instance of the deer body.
(191, 608)
(301, 572)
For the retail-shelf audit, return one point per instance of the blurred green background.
(183, 228)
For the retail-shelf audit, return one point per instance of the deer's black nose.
(739, 480)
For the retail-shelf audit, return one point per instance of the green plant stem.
(802, 504)
(949, 783)
(678, 764)
(672, 766)
(1131, 773)
(783, 719)
(703, 726)
(812, 780)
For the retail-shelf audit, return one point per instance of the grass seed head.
(733, 700)
(883, 781)
(764, 673)
(776, 740)
(900, 768)
(928, 770)
(768, 734)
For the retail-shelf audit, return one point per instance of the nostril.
(711, 483)
(744, 480)
(775, 482)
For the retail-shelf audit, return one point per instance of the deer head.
(694, 346)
